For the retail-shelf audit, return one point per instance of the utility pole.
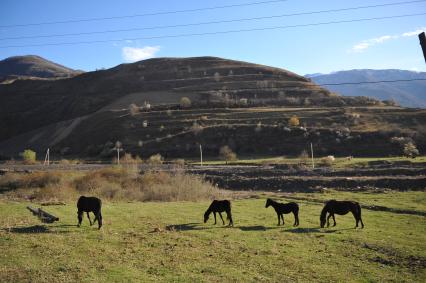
(201, 155)
(422, 38)
(47, 158)
(312, 156)
(118, 148)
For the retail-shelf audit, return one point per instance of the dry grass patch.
(113, 183)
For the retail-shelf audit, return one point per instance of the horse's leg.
(334, 219)
(355, 214)
(328, 220)
(279, 219)
(214, 213)
(282, 217)
(80, 217)
(99, 217)
(296, 219)
(90, 221)
(220, 214)
(359, 216)
(229, 216)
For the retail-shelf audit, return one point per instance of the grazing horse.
(340, 207)
(284, 208)
(89, 204)
(219, 206)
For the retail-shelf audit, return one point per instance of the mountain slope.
(33, 66)
(409, 94)
(29, 104)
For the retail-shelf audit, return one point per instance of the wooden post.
(201, 155)
(422, 38)
(312, 156)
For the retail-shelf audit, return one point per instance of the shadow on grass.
(186, 227)
(28, 230)
(315, 230)
(36, 229)
(255, 228)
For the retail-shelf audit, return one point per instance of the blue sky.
(382, 44)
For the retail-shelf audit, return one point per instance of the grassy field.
(167, 242)
(340, 162)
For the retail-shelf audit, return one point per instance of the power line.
(326, 84)
(146, 15)
(214, 22)
(372, 82)
(216, 32)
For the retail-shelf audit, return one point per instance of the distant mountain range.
(32, 66)
(409, 94)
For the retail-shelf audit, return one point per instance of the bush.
(155, 159)
(410, 150)
(304, 158)
(327, 161)
(29, 156)
(294, 121)
(227, 154)
(133, 109)
(185, 102)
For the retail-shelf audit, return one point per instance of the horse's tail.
(229, 214)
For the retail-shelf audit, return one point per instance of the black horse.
(89, 204)
(340, 207)
(219, 206)
(284, 208)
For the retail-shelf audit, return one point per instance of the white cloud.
(365, 44)
(133, 54)
(414, 33)
(360, 47)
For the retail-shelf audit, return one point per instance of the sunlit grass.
(168, 242)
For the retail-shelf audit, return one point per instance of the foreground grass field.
(167, 242)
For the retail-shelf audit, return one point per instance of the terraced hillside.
(248, 131)
(29, 104)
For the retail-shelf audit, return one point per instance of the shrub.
(196, 128)
(294, 121)
(133, 109)
(29, 156)
(155, 159)
(177, 187)
(185, 102)
(304, 158)
(227, 154)
(410, 150)
(327, 161)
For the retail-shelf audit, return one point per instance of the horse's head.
(323, 216)
(206, 216)
(322, 222)
(268, 203)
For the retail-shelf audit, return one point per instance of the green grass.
(340, 162)
(167, 242)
